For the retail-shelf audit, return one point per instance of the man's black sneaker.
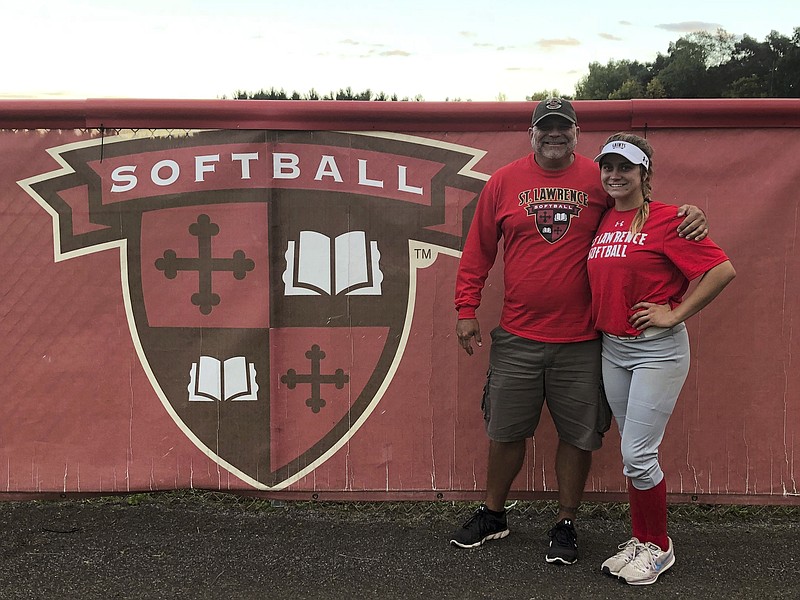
(563, 543)
(481, 527)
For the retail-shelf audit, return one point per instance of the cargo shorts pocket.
(485, 404)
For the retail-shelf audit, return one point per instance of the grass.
(411, 511)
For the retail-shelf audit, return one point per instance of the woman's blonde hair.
(646, 172)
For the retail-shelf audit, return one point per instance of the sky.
(436, 50)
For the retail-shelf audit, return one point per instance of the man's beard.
(551, 153)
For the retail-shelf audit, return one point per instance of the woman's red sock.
(653, 506)
(638, 524)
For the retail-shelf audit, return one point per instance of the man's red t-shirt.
(547, 220)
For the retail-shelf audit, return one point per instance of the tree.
(683, 71)
(750, 86)
(764, 69)
(718, 47)
(747, 72)
(545, 94)
(348, 94)
(785, 76)
(604, 80)
(655, 89)
(343, 94)
(628, 90)
(271, 94)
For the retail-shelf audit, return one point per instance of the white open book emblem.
(317, 265)
(233, 379)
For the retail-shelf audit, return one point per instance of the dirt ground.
(199, 545)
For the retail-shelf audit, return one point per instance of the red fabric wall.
(97, 342)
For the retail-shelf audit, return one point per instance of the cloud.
(625, 23)
(557, 43)
(394, 53)
(608, 36)
(34, 95)
(350, 42)
(495, 46)
(689, 26)
(468, 34)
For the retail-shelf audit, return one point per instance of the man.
(546, 206)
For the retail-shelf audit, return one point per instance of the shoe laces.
(629, 549)
(563, 533)
(475, 516)
(479, 517)
(645, 557)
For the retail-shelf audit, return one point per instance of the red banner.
(270, 309)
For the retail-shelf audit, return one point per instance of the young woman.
(639, 270)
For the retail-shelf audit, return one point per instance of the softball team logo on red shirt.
(553, 209)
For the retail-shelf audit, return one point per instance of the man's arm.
(477, 258)
(695, 225)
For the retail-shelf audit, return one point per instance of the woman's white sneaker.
(650, 562)
(627, 552)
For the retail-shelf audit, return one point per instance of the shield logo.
(269, 274)
(552, 220)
